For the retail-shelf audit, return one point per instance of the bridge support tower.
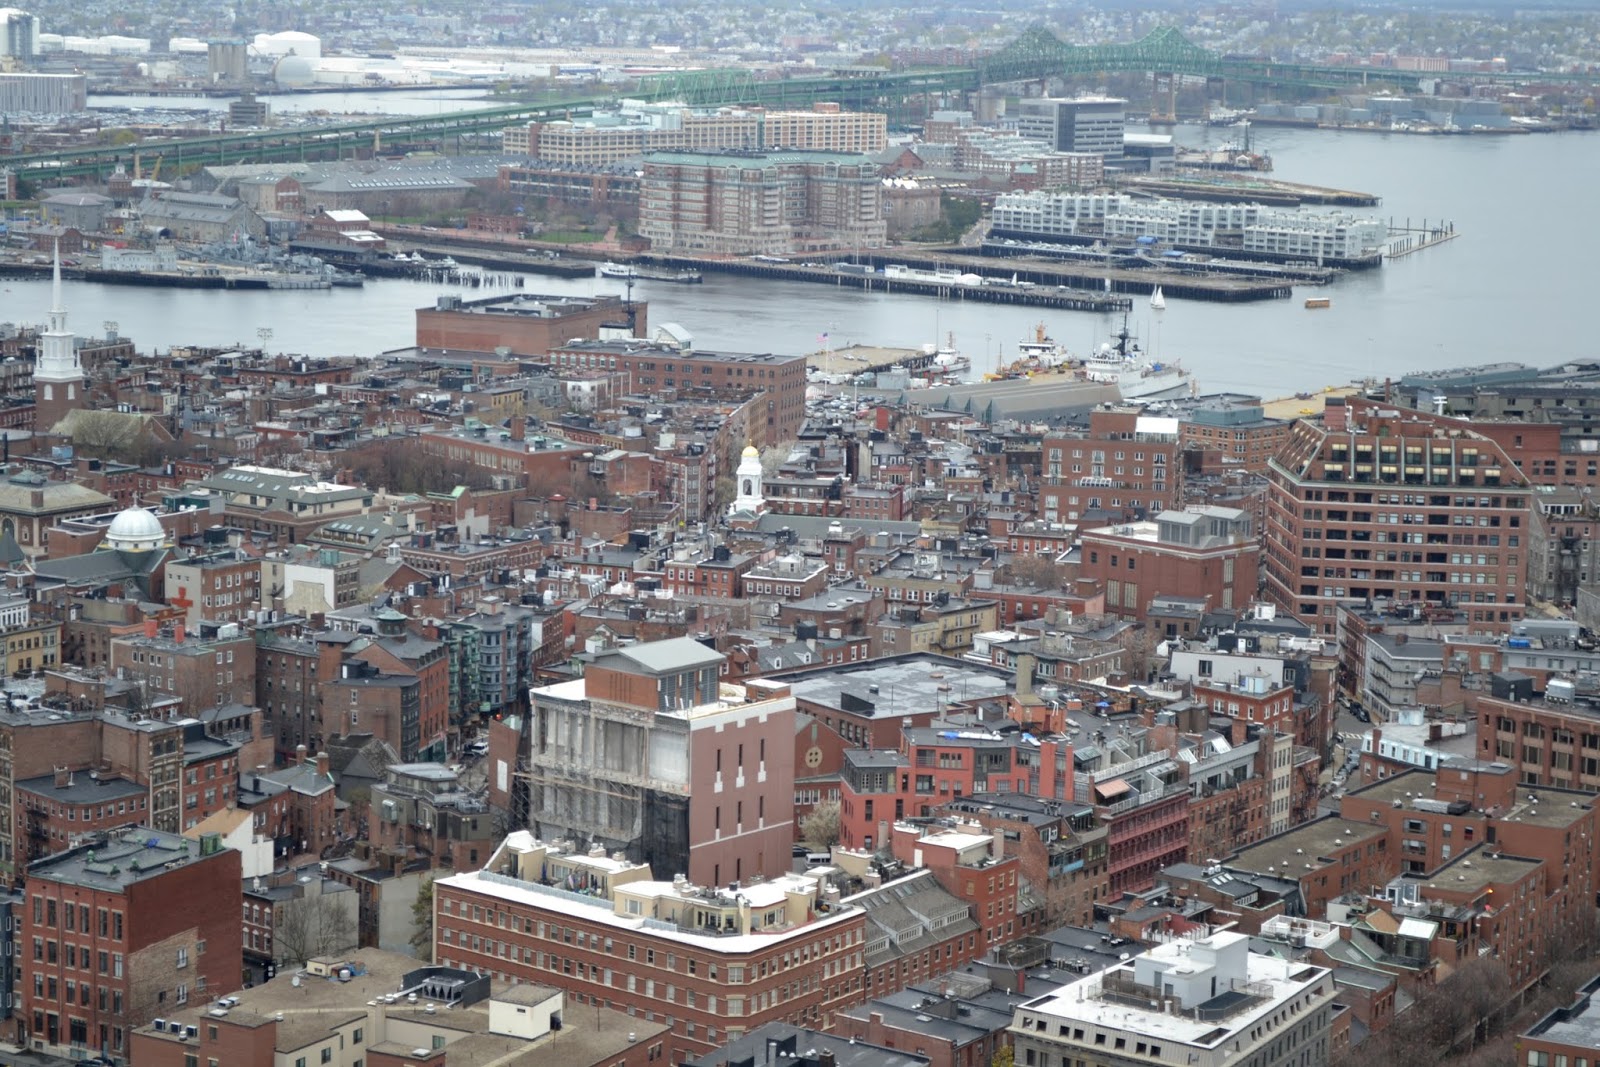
(1164, 97)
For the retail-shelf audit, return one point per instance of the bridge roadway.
(1035, 55)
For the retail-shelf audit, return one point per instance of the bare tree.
(315, 925)
(1038, 571)
(821, 829)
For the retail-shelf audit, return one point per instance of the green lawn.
(569, 237)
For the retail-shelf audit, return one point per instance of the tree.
(820, 830)
(1041, 572)
(1003, 1057)
(422, 920)
(312, 926)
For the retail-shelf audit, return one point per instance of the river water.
(1514, 286)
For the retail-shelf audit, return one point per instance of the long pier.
(1080, 299)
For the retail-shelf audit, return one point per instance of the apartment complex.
(1330, 237)
(1374, 502)
(771, 203)
(637, 129)
(1124, 466)
(711, 962)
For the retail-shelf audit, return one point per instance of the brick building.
(526, 324)
(777, 381)
(105, 949)
(1378, 503)
(1224, 431)
(1124, 463)
(712, 963)
(650, 753)
(1205, 554)
(209, 667)
(773, 203)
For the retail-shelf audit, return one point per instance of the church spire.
(56, 307)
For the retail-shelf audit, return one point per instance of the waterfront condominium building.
(639, 128)
(712, 962)
(769, 203)
(650, 753)
(1202, 1002)
(1372, 502)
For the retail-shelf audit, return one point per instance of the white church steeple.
(58, 377)
(58, 356)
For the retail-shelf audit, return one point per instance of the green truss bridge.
(1035, 55)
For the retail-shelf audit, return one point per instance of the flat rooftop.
(666, 351)
(1576, 1024)
(531, 305)
(1290, 853)
(114, 861)
(1272, 983)
(895, 688)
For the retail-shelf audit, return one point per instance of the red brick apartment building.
(1205, 554)
(646, 367)
(711, 962)
(104, 949)
(1375, 502)
(1125, 463)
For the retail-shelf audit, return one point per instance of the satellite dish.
(295, 981)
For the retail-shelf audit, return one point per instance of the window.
(183, 957)
(327, 1055)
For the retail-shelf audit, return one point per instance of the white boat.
(1157, 300)
(617, 270)
(1121, 362)
(946, 357)
(1042, 351)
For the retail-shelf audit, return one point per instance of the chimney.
(322, 764)
(519, 428)
(150, 629)
(826, 1058)
(299, 754)
(177, 632)
(63, 777)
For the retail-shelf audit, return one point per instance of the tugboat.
(617, 270)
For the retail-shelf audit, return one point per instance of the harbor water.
(1513, 287)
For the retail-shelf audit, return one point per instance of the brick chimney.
(322, 764)
(150, 628)
(63, 777)
(177, 632)
(519, 428)
(299, 754)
